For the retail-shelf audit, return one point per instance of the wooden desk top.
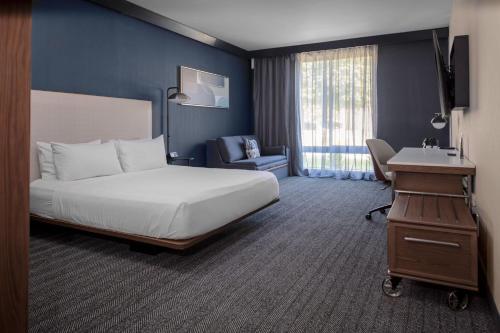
(428, 160)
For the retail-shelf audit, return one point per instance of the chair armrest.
(274, 150)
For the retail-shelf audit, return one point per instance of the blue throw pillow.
(252, 148)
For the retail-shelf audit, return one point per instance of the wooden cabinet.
(15, 85)
(431, 235)
(433, 239)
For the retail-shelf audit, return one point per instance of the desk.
(431, 171)
(431, 235)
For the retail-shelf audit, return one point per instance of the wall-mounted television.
(453, 80)
(459, 64)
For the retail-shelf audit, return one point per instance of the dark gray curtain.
(276, 106)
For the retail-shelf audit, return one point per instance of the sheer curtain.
(337, 93)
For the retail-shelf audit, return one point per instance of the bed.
(174, 206)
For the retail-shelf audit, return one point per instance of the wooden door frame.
(15, 87)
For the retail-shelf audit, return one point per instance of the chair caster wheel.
(458, 300)
(391, 286)
(368, 216)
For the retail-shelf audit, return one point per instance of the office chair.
(381, 152)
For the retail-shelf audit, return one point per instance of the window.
(337, 109)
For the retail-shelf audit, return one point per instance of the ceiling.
(261, 24)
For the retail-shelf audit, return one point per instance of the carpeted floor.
(310, 263)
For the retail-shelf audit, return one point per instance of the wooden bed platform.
(74, 118)
(175, 244)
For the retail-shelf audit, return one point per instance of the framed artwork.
(204, 88)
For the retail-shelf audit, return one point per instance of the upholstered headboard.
(75, 118)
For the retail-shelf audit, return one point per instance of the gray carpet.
(309, 263)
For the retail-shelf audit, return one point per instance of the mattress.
(174, 202)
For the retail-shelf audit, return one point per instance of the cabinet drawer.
(433, 253)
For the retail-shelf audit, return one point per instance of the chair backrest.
(381, 152)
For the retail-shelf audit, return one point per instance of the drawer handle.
(429, 241)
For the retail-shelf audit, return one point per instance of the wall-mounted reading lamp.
(438, 121)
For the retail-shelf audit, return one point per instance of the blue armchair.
(228, 152)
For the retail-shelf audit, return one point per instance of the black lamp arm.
(168, 117)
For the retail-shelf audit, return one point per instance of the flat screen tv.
(444, 79)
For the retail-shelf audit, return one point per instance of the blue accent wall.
(407, 93)
(81, 47)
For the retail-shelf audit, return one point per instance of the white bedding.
(174, 202)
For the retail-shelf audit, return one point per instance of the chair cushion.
(231, 148)
(263, 162)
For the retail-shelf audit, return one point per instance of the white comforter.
(174, 202)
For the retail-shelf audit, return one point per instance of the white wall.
(480, 124)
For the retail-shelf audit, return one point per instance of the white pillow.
(46, 159)
(82, 161)
(142, 154)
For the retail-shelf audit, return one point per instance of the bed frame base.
(144, 248)
(175, 244)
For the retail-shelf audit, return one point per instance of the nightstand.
(184, 159)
